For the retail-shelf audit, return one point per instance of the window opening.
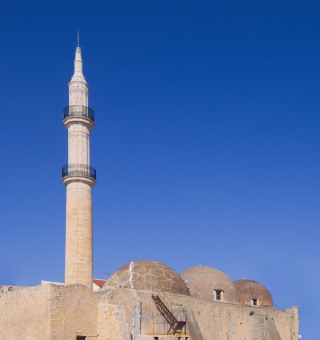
(254, 302)
(218, 294)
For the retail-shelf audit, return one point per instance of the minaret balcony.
(78, 111)
(70, 172)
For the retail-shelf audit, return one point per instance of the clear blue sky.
(206, 141)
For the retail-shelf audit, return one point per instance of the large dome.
(252, 293)
(147, 275)
(208, 283)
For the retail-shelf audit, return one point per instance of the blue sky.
(206, 141)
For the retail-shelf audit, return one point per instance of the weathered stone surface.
(78, 260)
(202, 282)
(112, 322)
(248, 290)
(215, 320)
(147, 275)
(25, 313)
(52, 312)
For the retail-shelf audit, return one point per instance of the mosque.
(143, 300)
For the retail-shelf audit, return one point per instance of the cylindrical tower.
(79, 178)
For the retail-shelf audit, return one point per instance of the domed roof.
(252, 293)
(209, 284)
(147, 275)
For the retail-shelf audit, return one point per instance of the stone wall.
(25, 313)
(52, 312)
(73, 311)
(215, 320)
(112, 323)
(48, 312)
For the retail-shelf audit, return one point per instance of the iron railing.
(79, 170)
(78, 111)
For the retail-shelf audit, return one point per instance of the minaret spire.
(79, 178)
(78, 39)
(78, 66)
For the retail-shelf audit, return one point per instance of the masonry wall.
(112, 323)
(52, 312)
(73, 311)
(25, 313)
(216, 320)
(48, 312)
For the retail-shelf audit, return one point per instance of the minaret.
(79, 178)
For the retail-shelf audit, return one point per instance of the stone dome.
(252, 293)
(147, 275)
(208, 283)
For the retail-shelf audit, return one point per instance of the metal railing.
(78, 111)
(79, 170)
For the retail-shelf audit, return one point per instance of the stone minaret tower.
(79, 178)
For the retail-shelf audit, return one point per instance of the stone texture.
(147, 275)
(248, 290)
(202, 282)
(78, 143)
(78, 268)
(52, 312)
(112, 323)
(25, 313)
(78, 260)
(73, 311)
(214, 320)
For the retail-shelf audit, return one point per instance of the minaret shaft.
(78, 144)
(78, 267)
(79, 179)
(78, 91)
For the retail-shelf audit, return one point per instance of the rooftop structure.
(147, 275)
(209, 284)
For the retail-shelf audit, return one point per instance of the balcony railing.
(79, 170)
(78, 111)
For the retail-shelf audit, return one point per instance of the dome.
(208, 283)
(147, 275)
(252, 293)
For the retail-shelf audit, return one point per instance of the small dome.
(147, 275)
(208, 283)
(252, 293)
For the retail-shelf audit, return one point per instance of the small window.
(218, 294)
(254, 302)
(81, 337)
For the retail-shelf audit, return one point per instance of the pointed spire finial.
(78, 62)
